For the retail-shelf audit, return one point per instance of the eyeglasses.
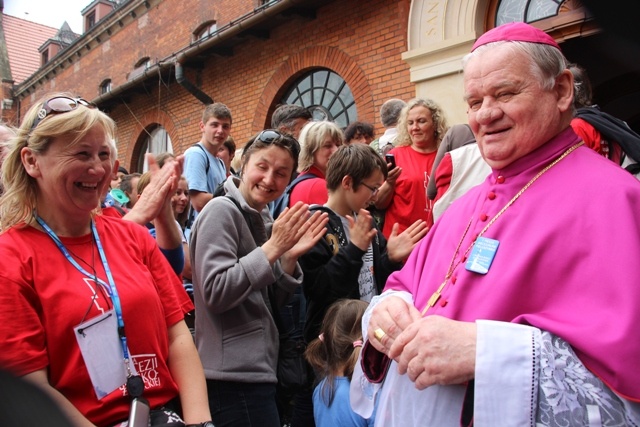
(270, 136)
(374, 190)
(59, 105)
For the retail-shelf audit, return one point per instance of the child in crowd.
(180, 202)
(333, 356)
(353, 259)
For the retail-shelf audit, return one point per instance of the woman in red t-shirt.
(421, 127)
(90, 310)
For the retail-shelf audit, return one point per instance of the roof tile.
(23, 39)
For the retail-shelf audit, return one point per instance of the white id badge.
(102, 352)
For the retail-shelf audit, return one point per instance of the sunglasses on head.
(59, 105)
(270, 136)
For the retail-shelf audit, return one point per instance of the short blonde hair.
(18, 202)
(437, 115)
(143, 182)
(312, 136)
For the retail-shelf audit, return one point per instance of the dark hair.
(285, 115)
(217, 110)
(358, 161)
(230, 144)
(582, 93)
(341, 327)
(358, 128)
(125, 184)
(285, 141)
(123, 170)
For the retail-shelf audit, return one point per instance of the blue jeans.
(235, 404)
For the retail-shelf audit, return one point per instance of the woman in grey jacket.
(244, 263)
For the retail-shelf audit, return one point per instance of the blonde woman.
(421, 127)
(319, 140)
(72, 279)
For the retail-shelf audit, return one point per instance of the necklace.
(453, 265)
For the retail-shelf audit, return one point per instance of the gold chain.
(436, 295)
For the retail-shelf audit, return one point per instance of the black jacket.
(331, 269)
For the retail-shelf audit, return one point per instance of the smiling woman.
(245, 265)
(56, 251)
(65, 151)
(421, 127)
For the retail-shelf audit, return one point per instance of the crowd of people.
(435, 275)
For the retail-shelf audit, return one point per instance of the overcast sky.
(48, 12)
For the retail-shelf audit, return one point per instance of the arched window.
(205, 30)
(139, 68)
(326, 95)
(526, 10)
(157, 141)
(105, 86)
(143, 63)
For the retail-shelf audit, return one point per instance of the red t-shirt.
(310, 191)
(409, 202)
(444, 172)
(44, 297)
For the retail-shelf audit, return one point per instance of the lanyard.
(111, 287)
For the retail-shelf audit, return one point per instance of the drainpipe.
(190, 87)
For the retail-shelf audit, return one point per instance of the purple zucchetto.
(515, 31)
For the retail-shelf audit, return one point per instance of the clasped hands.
(430, 350)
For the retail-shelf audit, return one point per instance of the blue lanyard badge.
(482, 254)
(136, 382)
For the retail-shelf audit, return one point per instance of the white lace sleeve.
(570, 395)
(529, 377)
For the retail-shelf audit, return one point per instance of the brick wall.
(362, 42)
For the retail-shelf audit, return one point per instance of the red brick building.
(153, 64)
(248, 64)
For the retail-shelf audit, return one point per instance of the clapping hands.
(399, 246)
(294, 233)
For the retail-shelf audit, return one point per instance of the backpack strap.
(302, 177)
(206, 169)
(298, 179)
(282, 202)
